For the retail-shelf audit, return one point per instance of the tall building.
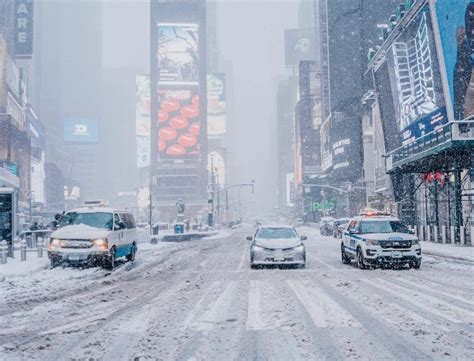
(178, 82)
(66, 74)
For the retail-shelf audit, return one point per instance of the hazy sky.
(250, 39)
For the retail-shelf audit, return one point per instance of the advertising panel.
(179, 125)
(299, 45)
(216, 160)
(38, 177)
(290, 189)
(456, 28)
(81, 130)
(346, 148)
(178, 53)
(416, 80)
(12, 76)
(216, 104)
(326, 154)
(143, 120)
(23, 32)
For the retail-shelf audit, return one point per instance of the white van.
(94, 235)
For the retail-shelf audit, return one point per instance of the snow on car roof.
(277, 225)
(86, 209)
(377, 218)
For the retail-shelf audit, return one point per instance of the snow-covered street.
(200, 300)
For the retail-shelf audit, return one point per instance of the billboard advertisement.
(326, 154)
(142, 120)
(216, 104)
(216, 160)
(179, 125)
(178, 53)
(346, 148)
(299, 45)
(413, 104)
(456, 28)
(81, 130)
(23, 31)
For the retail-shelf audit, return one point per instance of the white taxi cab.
(94, 234)
(378, 239)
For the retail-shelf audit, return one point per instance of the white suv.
(375, 240)
(94, 235)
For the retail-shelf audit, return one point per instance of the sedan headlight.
(372, 242)
(256, 248)
(299, 248)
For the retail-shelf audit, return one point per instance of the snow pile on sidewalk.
(460, 252)
(15, 267)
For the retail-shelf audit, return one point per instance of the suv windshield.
(276, 233)
(383, 227)
(93, 219)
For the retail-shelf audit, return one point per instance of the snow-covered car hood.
(389, 236)
(278, 243)
(80, 231)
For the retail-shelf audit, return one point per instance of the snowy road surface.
(200, 300)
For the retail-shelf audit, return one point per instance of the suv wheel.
(110, 261)
(344, 257)
(360, 259)
(417, 264)
(131, 255)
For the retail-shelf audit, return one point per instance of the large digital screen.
(346, 148)
(142, 120)
(456, 28)
(178, 53)
(179, 125)
(415, 92)
(81, 130)
(216, 104)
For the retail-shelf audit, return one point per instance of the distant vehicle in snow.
(338, 226)
(94, 235)
(325, 226)
(379, 240)
(277, 245)
(298, 222)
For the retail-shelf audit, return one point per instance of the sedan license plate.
(396, 254)
(279, 256)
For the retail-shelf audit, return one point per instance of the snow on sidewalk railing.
(23, 250)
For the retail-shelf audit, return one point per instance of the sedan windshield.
(95, 219)
(276, 233)
(383, 227)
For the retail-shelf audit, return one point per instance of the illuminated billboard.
(178, 53)
(216, 104)
(81, 130)
(142, 120)
(409, 84)
(456, 29)
(179, 123)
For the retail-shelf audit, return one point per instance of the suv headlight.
(415, 241)
(100, 242)
(53, 244)
(372, 242)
